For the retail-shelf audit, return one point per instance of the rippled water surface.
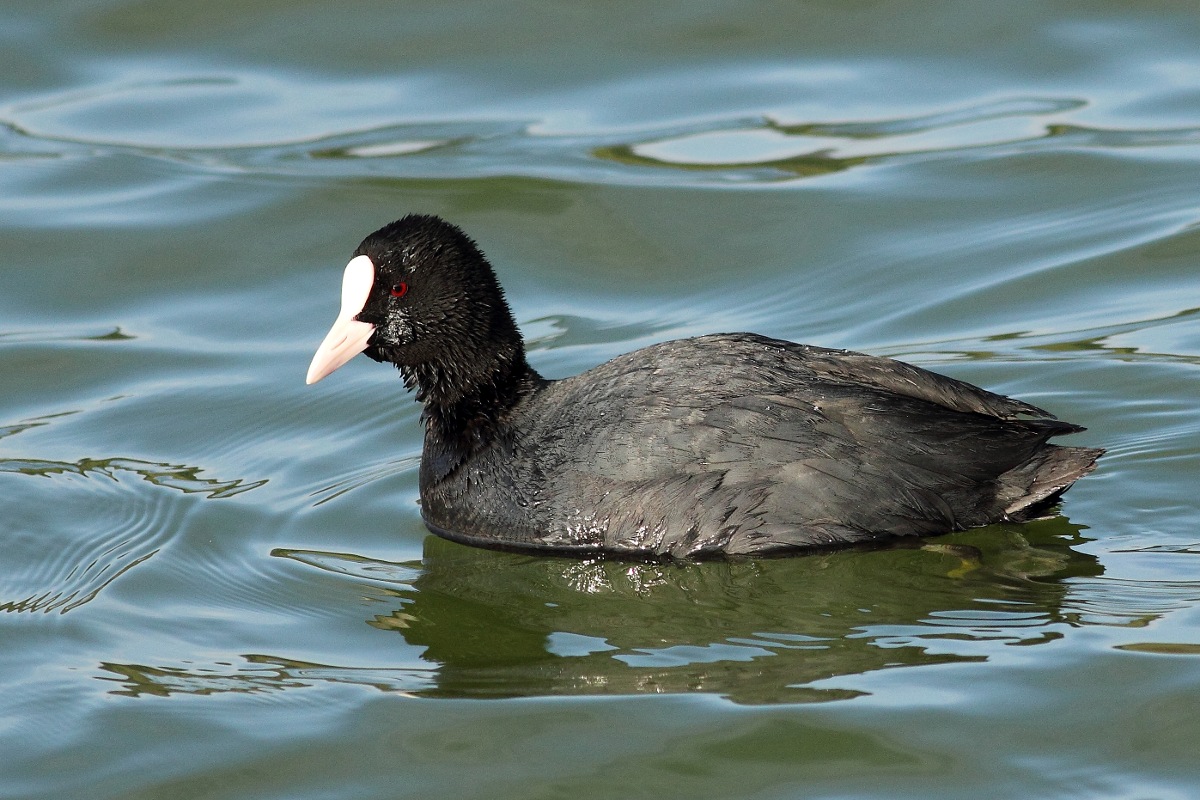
(215, 582)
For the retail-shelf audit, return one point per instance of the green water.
(214, 580)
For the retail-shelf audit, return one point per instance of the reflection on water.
(756, 631)
(258, 674)
(173, 476)
(362, 129)
(768, 149)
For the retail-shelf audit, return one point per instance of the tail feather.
(1041, 480)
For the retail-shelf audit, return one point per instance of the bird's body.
(726, 444)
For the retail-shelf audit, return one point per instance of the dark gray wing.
(847, 366)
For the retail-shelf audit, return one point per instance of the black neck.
(464, 408)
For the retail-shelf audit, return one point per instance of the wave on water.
(335, 129)
(74, 527)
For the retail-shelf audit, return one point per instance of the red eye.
(399, 289)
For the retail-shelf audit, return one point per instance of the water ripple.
(1128, 602)
(770, 150)
(336, 128)
(106, 334)
(75, 533)
(173, 476)
(354, 566)
(362, 476)
(259, 674)
(82, 535)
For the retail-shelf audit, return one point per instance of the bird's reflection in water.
(755, 630)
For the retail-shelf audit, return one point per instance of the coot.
(726, 444)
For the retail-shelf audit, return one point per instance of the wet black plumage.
(721, 444)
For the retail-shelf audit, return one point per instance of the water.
(215, 580)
